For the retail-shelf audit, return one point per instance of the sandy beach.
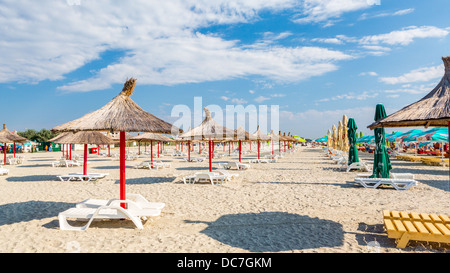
(300, 204)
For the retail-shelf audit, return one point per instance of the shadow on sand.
(273, 231)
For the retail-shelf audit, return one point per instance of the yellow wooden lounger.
(405, 227)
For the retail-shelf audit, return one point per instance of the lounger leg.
(403, 240)
(64, 225)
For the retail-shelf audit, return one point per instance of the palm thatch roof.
(128, 137)
(120, 114)
(209, 128)
(241, 134)
(432, 110)
(7, 137)
(273, 136)
(258, 135)
(83, 137)
(151, 137)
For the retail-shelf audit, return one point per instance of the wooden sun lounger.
(405, 227)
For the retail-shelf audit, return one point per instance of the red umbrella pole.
(151, 151)
(4, 151)
(448, 153)
(14, 149)
(240, 150)
(122, 168)
(210, 156)
(272, 146)
(109, 150)
(258, 149)
(85, 159)
(62, 148)
(189, 151)
(70, 150)
(139, 153)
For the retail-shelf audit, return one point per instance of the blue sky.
(316, 59)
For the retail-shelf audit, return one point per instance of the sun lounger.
(234, 165)
(3, 171)
(79, 176)
(112, 211)
(405, 227)
(399, 182)
(230, 176)
(66, 163)
(212, 177)
(132, 198)
(361, 166)
(259, 161)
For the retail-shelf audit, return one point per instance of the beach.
(302, 203)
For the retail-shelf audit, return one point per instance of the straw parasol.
(7, 137)
(209, 130)
(120, 114)
(85, 138)
(345, 145)
(329, 139)
(241, 135)
(150, 137)
(335, 139)
(259, 136)
(274, 137)
(432, 110)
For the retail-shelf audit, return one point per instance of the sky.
(316, 60)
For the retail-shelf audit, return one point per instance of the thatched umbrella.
(150, 137)
(208, 130)
(335, 138)
(241, 135)
(259, 136)
(330, 139)
(433, 110)
(345, 145)
(85, 138)
(120, 114)
(7, 137)
(273, 137)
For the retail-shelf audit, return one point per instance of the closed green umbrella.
(353, 151)
(381, 163)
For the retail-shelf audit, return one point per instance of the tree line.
(39, 136)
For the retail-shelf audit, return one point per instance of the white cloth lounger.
(132, 198)
(112, 211)
(398, 183)
(359, 166)
(214, 178)
(82, 177)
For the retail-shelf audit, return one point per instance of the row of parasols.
(123, 115)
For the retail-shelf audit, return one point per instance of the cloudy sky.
(315, 59)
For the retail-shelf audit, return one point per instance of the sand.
(300, 204)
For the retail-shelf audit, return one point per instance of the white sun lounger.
(3, 171)
(230, 176)
(214, 178)
(132, 198)
(399, 182)
(359, 166)
(112, 211)
(234, 165)
(82, 177)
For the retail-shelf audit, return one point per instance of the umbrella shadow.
(273, 231)
(148, 180)
(13, 213)
(31, 178)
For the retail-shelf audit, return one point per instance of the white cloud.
(352, 96)
(261, 99)
(46, 40)
(327, 11)
(319, 122)
(368, 74)
(405, 36)
(365, 16)
(423, 74)
(251, 92)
